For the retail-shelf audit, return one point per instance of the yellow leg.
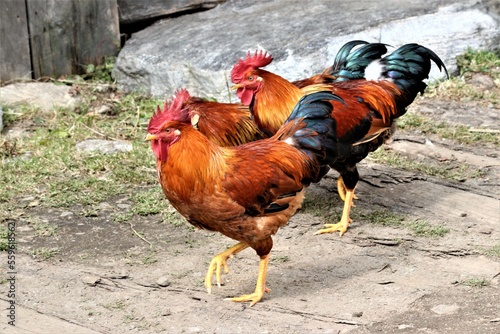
(342, 189)
(344, 221)
(260, 288)
(219, 262)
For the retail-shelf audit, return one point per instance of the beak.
(150, 137)
(237, 86)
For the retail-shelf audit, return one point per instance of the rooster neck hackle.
(193, 163)
(274, 102)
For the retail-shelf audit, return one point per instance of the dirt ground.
(374, 279)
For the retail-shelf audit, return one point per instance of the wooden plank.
(66, 35)
(14, 51)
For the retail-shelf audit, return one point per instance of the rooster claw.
(218, 263)
(331, 228)
(254, 298)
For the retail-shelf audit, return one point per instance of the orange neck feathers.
(193, 163)
(274, 101)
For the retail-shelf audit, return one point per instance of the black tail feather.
(408, 66)
(350, 65)
(318, 138)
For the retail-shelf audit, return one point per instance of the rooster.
(220, 189)
(375, 91)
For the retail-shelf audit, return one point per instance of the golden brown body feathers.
(221, 189)
(226, 124)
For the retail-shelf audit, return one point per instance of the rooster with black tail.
(375, 91)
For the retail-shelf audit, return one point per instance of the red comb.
(251, 62)
(172, 111)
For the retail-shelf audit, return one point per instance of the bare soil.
(374, 279)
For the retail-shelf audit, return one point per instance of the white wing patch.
(290, 141)
(374, 71)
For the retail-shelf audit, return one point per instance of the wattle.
(245, 95)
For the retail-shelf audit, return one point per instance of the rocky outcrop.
(133, 11)
(197, 51)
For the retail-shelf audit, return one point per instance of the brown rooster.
(375, 91)
(245, 192)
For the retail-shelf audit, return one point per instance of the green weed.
(476, 282)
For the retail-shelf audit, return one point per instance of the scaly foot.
(260, 288)
(342, 190)
(220, 261)
(254, 298)
(341, 226)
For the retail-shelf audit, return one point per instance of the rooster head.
(245, 75)
(172, 111)
(157, 128)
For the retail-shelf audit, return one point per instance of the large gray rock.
(197, 51)
(133, 11)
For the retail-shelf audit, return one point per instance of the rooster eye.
(168, 130)
(250, 78)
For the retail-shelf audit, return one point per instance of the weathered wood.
(15, 62)
(132, 11)
(66, 35)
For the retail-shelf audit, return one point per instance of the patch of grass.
(476, 282)
(43, 229)
(457, 133)
(458, 88)
(123, 217)
(425, 229)
(4, 242)
(174, 218)
(62, 176)
(44, 253)
(324, 206)
(419, 227)
(118, 305)
(384, 218)
(493, 251)
(100, 73)
(280, 259)
(479, 61)
(148, 202)
(149, 259)
(8, 148)
(439, 169)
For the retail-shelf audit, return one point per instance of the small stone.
(104, 146)
(404, 326)
(357, 314)
(91, 280)
(163, 281)
(445, 309)
(102, 110)
(34, 203)
(463, 214)
(66, 214)
(105, 206)
(485, 230)
(123, 206)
